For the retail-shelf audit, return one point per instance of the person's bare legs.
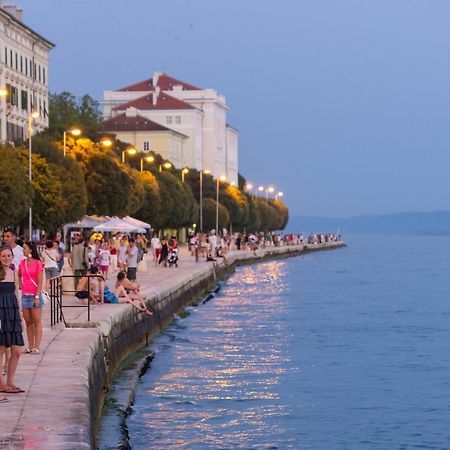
(3, 385)
(30, 327)
(12, 366)
(36, 318)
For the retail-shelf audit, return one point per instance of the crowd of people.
(26, 270)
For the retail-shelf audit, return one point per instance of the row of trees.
(92, 179)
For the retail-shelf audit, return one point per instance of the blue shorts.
(28, 302)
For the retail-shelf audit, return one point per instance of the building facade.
(23, 76)
(199, 114)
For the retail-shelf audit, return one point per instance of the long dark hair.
(2, 269)
(32, 246)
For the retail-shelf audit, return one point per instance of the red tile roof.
(145, 103)
(165, 82)
(122, 122)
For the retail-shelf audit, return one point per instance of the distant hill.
(437, 222)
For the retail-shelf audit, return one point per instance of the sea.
(341, 349)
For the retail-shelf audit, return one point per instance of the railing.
(56, 299)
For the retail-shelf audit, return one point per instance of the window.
(6, 56)
(43, 75)
(24, 100)
(169, 119)
(177, 119)
(39, 72)
(146, 146)
(10, 58)
(21, 63)
(17, 61)
(26, 66)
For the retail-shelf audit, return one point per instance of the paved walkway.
(50, 413)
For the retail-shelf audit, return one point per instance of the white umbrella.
(115, 225)
(137, 222)
(87, 222)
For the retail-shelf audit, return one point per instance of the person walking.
(122, 255)
(31, 278)
(132, 260)
(155, 244)
(164, 252)
(10, 238)
(50, 258)
(11, 324)
(79, 259)
(104, 256)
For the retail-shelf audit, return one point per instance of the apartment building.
(23, 75)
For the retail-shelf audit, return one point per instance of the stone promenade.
(54, 412)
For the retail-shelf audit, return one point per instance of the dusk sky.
(342, 104)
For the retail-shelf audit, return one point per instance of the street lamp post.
(219, 179)
(278, 194)
(270, 190)
(73, 132)
(166, 165)
(149, 159)
(130, 151)
(206, 172)
(31, 117)
(183, 173)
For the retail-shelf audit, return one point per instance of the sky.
(341, 104)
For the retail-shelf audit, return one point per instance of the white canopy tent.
(137, 222)
(115, 225)
(87, 222)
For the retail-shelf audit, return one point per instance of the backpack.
(109, 296)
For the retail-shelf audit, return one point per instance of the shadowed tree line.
(91, 179)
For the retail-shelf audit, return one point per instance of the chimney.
(15, 11)
(156, 94)
(156, 76)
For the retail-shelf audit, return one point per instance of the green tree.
(209, 215)
(15, 193)
(63, 113)
(47, 195)
(151, 208)
(236, 203)
(108, 183)
(90, 116)
(74, 191)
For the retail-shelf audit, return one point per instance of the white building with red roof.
(199, 114)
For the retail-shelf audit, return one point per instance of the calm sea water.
(347, 349)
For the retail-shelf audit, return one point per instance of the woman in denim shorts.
(30, 281)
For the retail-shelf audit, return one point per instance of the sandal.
(13, 390)
(27, 350)
(35, 351)
(3, 400)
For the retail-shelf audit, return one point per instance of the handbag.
(44, 297)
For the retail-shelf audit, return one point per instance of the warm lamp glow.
(206, 171)
(149, 159)
(35, 115)
(3, 92)
(186, 170)
(223, 178)
(280, 194)
(271, 189)
(131, 151)
(249, 186)
(260, 188)
(106, 142)
(167, 165)
(75, 132)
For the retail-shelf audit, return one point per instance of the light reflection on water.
(338, 350)
(215, 384)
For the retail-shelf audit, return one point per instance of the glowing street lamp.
(279, 194)
(166, 165)
(269, 190)
(222, 178)
(74, 132)
(129, 151)
(149, 159)
(106, 142)
(206, 172)
(183, 173)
